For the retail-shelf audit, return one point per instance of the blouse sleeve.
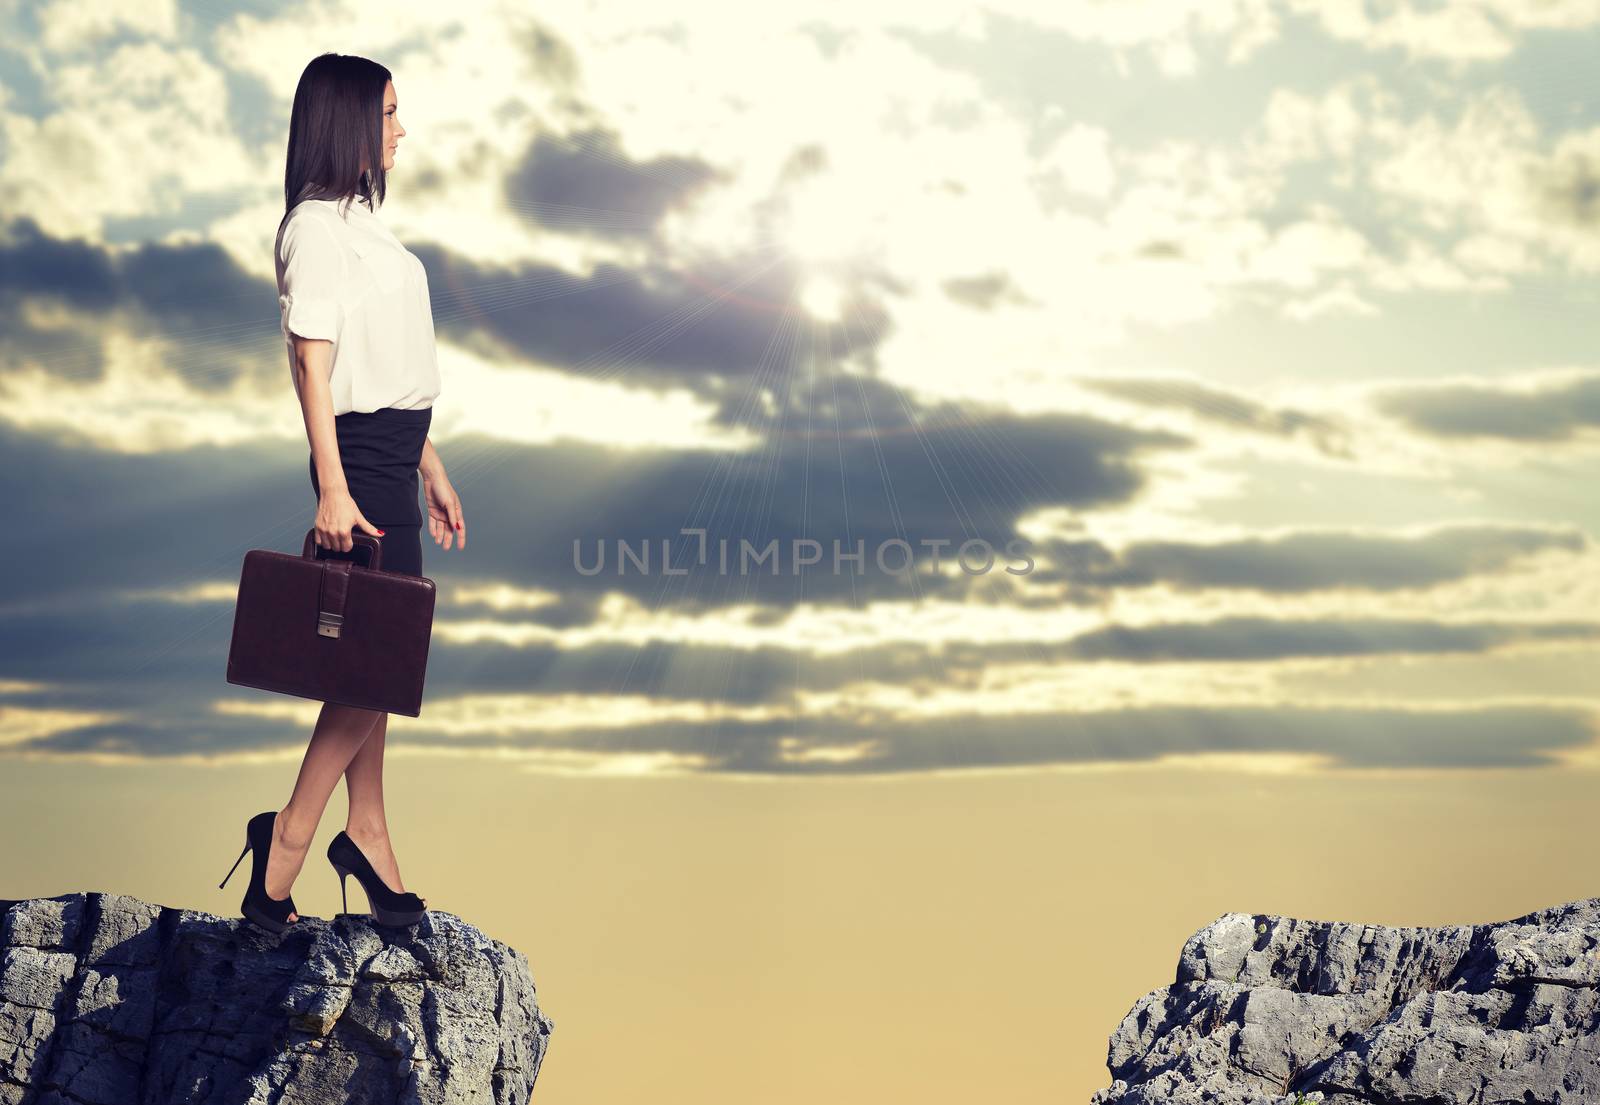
(313, 273)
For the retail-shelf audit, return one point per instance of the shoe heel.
(235, 866)
(344, 902)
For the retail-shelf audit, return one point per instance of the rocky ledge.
(1277, 1010)
(108, 1000)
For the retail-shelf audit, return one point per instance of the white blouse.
(347, 279)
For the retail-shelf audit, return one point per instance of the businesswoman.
(358, 325)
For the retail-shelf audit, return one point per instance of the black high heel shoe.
(271, 914)
(389, 907)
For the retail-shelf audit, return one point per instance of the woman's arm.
(338, 516)
(312, 282)
(445, 521)
(431, 467)
(313, 359)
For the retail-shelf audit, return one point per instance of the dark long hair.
(337, 116)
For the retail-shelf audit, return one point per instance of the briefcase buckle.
(328, 624)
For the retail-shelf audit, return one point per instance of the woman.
(358, 323)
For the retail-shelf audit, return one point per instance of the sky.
(1262, 328)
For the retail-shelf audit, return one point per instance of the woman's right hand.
(337, 516)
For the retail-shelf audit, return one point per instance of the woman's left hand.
(445, 520)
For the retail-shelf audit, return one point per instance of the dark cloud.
(583, 183)
(1255, 638)
(101, 523)
(856, 463)
(103, 651)
(1500, 737)
(206, 734)
(551, 59)
(1558, 411)
(1304, 562)
(985, 292)
(1161, 249)
(707, 327)
(655, 324)
(1237, 412)
(1566, 187)
(1356, 738)
(707, 324)
(33, 263)
(93, 522)
(193, 296)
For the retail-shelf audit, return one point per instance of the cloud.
(1267, 639)
(1363, 737)
(130, 130)
(583, 183)
(72, 26)
(975, 255)
(670, 325)
(851, 460)
(1557, 407)
(100, 651)
(1353, 738)
(63, 301)
(1462, 194)
(1460, 30)
(984, 291)
(171, 345)
(1223, 407)
(101, 525)
(1313, 561)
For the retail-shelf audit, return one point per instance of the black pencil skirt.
(380, 451)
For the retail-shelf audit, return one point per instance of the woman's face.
(392, 130)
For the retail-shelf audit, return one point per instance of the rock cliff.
(108, 1000)
(1277, 1010)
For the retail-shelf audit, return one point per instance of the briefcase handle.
(372, 547)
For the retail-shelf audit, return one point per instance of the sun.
(822, 297)
(825, 225)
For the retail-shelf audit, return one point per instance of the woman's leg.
(367, 825)
(338, 737)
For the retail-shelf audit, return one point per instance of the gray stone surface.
(108, 1000)
(1276, 1010)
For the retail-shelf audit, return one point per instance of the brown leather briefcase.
(331, 629)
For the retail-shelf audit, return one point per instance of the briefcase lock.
(331, 595)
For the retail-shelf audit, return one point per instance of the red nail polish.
(380, 533)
